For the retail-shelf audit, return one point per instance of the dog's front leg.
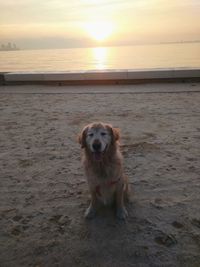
(121, 211)
(90, 213)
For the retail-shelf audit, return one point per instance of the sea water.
(174, 55)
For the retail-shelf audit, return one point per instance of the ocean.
(174, 55)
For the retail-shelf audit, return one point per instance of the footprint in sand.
(17, 218)
(55, 218)
(23, 163)
(15, 231)
(165, 240)
(177, 225)
(23, 221)
(196, 222)
(60, 221)
(139, 147)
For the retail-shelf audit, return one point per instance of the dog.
(103, 165)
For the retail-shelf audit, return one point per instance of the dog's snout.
(96, 146)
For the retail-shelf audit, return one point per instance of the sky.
(35, 24)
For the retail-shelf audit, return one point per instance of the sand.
(43, 192)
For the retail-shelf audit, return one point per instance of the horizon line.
(98, 45)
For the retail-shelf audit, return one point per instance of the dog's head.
(97, 138)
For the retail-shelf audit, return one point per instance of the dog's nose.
(96, 146)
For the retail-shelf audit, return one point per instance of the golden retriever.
(103, 166)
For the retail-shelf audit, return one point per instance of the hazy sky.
(75, 23)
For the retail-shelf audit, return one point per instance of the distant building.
(9, 47)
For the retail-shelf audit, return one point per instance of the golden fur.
(102, 161)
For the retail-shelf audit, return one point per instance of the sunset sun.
(99, 31)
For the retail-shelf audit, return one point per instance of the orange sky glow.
(82, 23)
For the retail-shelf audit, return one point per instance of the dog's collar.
(110, 183)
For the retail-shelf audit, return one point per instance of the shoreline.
(101, 77)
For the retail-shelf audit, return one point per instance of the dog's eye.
(90, 134)
(103, 134)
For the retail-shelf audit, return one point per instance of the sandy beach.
(44, 194)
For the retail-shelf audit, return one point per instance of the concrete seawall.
(100, 77)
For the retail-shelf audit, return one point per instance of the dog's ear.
(115, 133)
(82, 137)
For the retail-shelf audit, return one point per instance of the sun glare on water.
(100, 57)
(99, 31)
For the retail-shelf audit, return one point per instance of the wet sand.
(43, 192)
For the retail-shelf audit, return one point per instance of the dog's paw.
(122, 213)
(90, 213)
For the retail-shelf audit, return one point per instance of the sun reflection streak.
(100, 57)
